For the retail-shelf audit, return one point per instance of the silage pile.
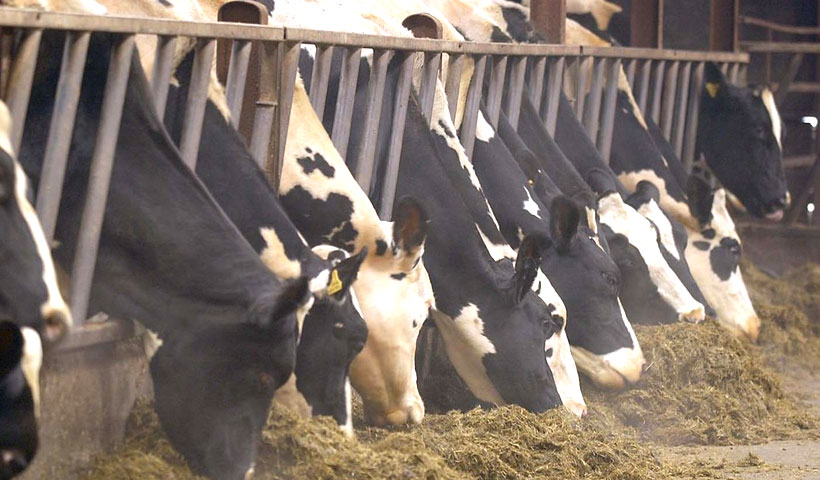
(701, 386)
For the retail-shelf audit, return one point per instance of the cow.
(169, 258)
(29, 294)
(333, 331)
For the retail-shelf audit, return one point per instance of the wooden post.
(549, 17)
(723, 32)
(646, 24)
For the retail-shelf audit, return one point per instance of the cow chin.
(775, 216)
(614, 370)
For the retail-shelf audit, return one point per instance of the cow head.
(713, 252)
(28, 286)
(739, 132)
(214, 382)
(652, 293)
(21, 355)
(395, 295)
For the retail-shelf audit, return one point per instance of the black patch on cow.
(268, 5)
(165, 3)
(709, 233)
(725, 258)
(308, 150)
(381, 247)
(519, 28)
(548, 353)
(398, 276)
(318, 162)
(322, 221)
(498, 36)
(336, 256)
(701, 245)
(446, 129)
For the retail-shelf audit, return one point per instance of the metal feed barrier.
(667, 85)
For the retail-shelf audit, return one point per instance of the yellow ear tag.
(335, 285)
(712, 88)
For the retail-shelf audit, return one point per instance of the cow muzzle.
(12, 462)
(614, 370)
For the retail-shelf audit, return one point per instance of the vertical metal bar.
(348, 79)
(495, 89)
(289, 55)
(266, 106)
(512, 107)
(744, 74)
(471, 109)
(549, 18)
(691, 133)
(391, 174)
(429, 78)
(237, 74)
(584, 65)
(535, 84)
(592, 115)
(452, 85)
(102, 162)
(724, 68)
(657, 90)
(733, 72)
(19, 86)
(680, 108)
(320, 77)
(161, 75)
(631, 67)
(643, 85)
(372, 116)
(553, 97)
(671, 87)
(608, 115)
(195, 103)
(60, 130)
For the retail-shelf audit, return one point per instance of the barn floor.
(786, 459)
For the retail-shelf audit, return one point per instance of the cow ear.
(293, 293)
(344, 274)
(409, 225)
(564, 219)
(644, 192)
(714, 81)
(700, 197)
(600, 181)
(527, 263)
(11, 347)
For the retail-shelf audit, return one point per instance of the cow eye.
(611, 279)
(760, 132)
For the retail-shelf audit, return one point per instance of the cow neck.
(154, 200)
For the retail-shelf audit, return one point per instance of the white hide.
(31, 363)
(601, 10)
(653, 212)
(774, 114)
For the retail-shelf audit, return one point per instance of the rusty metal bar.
(60, 130)
(657, 90)
(669, 91)
(161, 75)
(631, 66)
(19, 84)
(429, 78)
(471, 109)
(691, 133)
(495, 89)
(289, 56)
(604, 143)
(514, 91)
(779, 27)
(319, 78)
(452, 85)
(584, 65)
(195, 103)
(237, 74)
(643, 85)
(391, 174)
(592, 115)
(535, 83)
(549, 18)
(681, 111)
(266, 106)
(554, 83)
(373, 110)
(340, 133)
(102, 162)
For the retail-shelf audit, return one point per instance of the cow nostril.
(14, 461)
(55, 325)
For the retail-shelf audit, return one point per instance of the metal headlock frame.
(673, 77)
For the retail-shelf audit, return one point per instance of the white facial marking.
(529, 204)
(150, 343)
(483, 130)
(466, 345)
(653, 212)
(347, 426)
(623, 219)
(774, 114)
(31, 363)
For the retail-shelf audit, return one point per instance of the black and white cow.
(170, 258)
(21, 355)
(29, 295)
(333, 330)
